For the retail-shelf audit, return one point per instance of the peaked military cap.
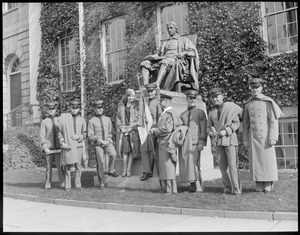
(164, 96)
(98, 104)
(75, 103)
(51, 104)
(191, 93)
(216, 91)
(256, 82)
(150, 86)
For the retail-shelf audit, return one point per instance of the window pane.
(296, 138)
(281, 31)
(295, 127)
(287, 139)
(282, 45)
(176, 13)
(287, 127)
(115, 46)
(271, 21)
(279, 6)
(279, 142)
(273, 47)
(272, 33)
(293, 43)
(291, 16)
(269, 7)
(289, 5)
(281, 18)
(292, 29)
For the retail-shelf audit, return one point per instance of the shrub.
(25, 149)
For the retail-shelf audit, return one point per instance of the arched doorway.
(14, 74)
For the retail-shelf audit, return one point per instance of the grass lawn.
(283, 199)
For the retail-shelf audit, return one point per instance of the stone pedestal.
(180, 105)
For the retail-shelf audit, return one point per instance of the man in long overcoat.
(222, 124)
(100, 135)
(167, 123)
(72, 132)
(50, 144)
(195, 118)
(260, 133)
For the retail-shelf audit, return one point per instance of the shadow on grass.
(87, 181)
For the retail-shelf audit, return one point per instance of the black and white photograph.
(139, 117)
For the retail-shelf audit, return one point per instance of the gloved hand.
(222, 133)
(200, 147)
(272, 142)
(104, 143)
(65, 146)
(246, 144)
(47, 151)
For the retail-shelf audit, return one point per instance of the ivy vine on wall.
(57, 21)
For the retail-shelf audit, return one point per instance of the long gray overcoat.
(260, 124)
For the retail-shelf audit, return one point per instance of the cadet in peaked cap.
(215, 91)
(150, 87)
(164, 96)
(98, 104)
(75, 103)
(191, 93)
(51, 105)
(256, 82)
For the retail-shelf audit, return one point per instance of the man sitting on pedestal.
(176, 55)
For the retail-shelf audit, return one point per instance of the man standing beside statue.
(149, 145)
(195, 118)
(176, 56)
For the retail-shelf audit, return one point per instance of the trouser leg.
(198, 185)
(78, 168)
(259, 186)
(231, 153)
(49, 161)
(67, 170)
(59, 170)
(268, 186)
(77, 175)
(100, 164)
(168, 186)
(223, 165)
(173, 186)
(111, 152)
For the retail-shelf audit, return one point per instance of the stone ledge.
(123, 207)
(165, 210)
(249, 215)
(65, 202)
(205, 213)
(161, 209)
(285, 216)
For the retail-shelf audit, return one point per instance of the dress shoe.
(68, 190)
(225, 193)
(145, 176)
(124, 174)
(128, 174)
(106, 173)
(113, 174)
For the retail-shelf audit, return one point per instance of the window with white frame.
(176, 12)
(280, 26)
(66, 52)
(287, 145)
(114, 49)
(7, 6)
